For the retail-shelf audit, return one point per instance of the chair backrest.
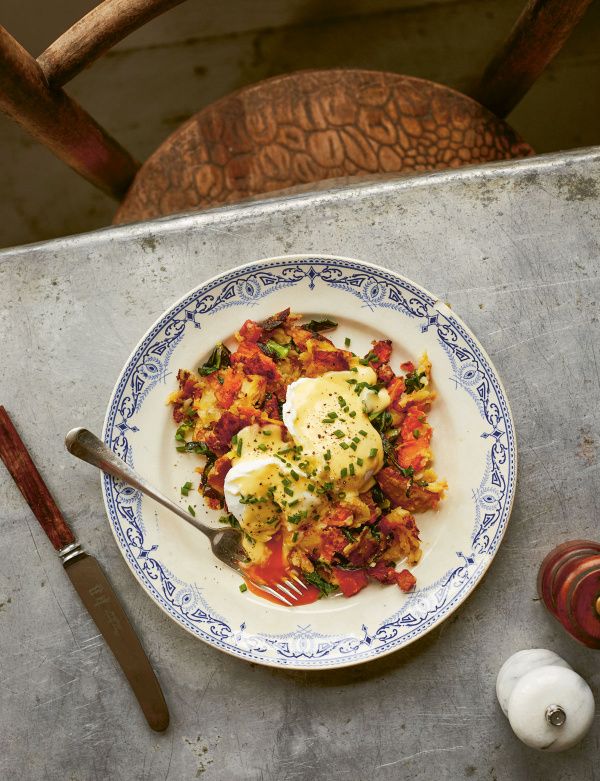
(31, 89)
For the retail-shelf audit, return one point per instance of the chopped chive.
(311, 487)
(294, 503)
(286, 482)
(353, 445)
(359, 461)
(243, 587)
(327, 455)
(373, 452)
(185, 488)
(362, 433)
(347, 341)
(353, 381)
(344, 472)
(220, 379)
(353, 414)
(266, 433)
(344, 445)
(240, 442)
(234, 439)
(295, 537)
(356, 439)
(338, 433)
(351, 468)
(288, 491)
(191, 510)
(295, 474)
(416, 433)
(326, 468)
(262, 447)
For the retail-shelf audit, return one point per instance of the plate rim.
(477, 578)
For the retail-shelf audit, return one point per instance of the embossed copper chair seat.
(314, 125)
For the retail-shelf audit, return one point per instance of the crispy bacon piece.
(330, 361)
(300, 337)
(406, 580)
(396, 487)
(216, 476)
(366, 548)
(384, 373)
(350, 581)
(339, 516)
(367, 499)
(385, 573)
(332, 542)
(253, 361)
(415, 435)
(228, 391)
(397, 526)
(219, 439)
(407, 366)
(396, 389)
(251, 331)
(383, 350)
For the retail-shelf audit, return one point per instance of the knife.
(87, 577)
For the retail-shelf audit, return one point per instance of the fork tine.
(274, 593)
(297, 579)
(281, 587)
(289, 584)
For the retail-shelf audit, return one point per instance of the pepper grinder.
(569, 586)
(549, 706)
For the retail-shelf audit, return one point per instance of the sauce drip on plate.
(273, 570)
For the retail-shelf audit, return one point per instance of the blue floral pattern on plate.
(371, 287)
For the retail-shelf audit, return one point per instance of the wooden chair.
(286, 131)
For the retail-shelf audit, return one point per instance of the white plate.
(473, 443)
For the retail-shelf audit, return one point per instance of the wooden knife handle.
(20, 465)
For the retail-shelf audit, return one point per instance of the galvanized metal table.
(515, 249)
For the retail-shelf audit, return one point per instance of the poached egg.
(332, 454)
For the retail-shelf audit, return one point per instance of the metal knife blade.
(97, 595)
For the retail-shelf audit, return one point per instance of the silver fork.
(226, 543)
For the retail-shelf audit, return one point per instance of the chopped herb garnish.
(200, 448)
(231, 520)
(297, 517)
(352, 381)
(295, 537)
(191, 510)
(353, 446)
(347, 341)
(319, 325)
(220, 379)
(373, 452)
(338, 433)
(327, 455)
(412, 382)
(185, 488)
(323, 585)
(243, 587)
(351, 468)
(363, 433)
(274, 350)
(295, 475)
(240, 444)
(266, 433)
(219, 358)
(416, 433)
(348, 535)
(311, 487)
(262, 447)
(359, 461)
(344, 472)
(357, 439)
(353, 414)
(288, 491)
(344, 445)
